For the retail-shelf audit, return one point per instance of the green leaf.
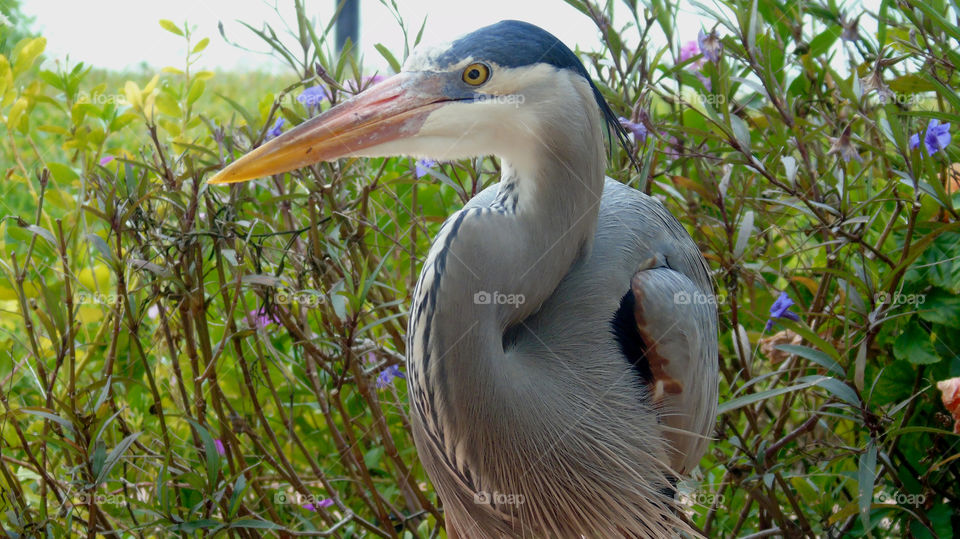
(115, 455)
(744, 231)
(914, 345)
(815, 356)
(941, 307)
(239, 488)
(741, 131)
(254, 524)
(26, 53)
(47, 414)
(210, 449)
(202, 44)
(170, 27)
(740, 402)
(63, 174)
(196, 90)
(911, 83)
(839, 390)
(824, 40)
(195, 525)
(389, 57)
(44, 233)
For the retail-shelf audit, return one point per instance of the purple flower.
(313, 96)
(779, 310)
(710, 45)
(638, 129)
(220, 448)
(326, 502)
(704, 81)
(262, 318)
(689, 50)
(937, 137)
(387, 375)
(106, 160)
(423, 166)
(277, 128)
(914, 141)
(153, 311)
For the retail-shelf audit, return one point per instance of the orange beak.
(395, 108)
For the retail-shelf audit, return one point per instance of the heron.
(562, 345)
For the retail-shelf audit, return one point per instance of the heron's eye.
(476, 74)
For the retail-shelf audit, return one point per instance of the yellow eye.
(476, 74)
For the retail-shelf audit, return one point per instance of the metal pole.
(348, 22)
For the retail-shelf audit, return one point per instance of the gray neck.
(492, 267)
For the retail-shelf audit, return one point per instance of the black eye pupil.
(474, 73)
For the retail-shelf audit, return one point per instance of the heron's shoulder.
(638, 227)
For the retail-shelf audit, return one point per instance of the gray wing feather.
(640, 247)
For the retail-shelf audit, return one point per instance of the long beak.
(392, 109)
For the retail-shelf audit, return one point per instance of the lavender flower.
(313, 96)
(220, 449)
(937, 137)
(423, 166)
(710, 45)
(779, 310)
(277, 128)
(387, 375)
(638, 129)
(106, 160)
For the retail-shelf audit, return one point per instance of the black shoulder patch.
(624, 329)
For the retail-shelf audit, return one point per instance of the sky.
(121, 34)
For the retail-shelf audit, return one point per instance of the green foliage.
(198, 360)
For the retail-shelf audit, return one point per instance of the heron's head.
(507, 89)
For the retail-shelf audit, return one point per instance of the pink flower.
(105, 160)
(220, 448)
(689, 50)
